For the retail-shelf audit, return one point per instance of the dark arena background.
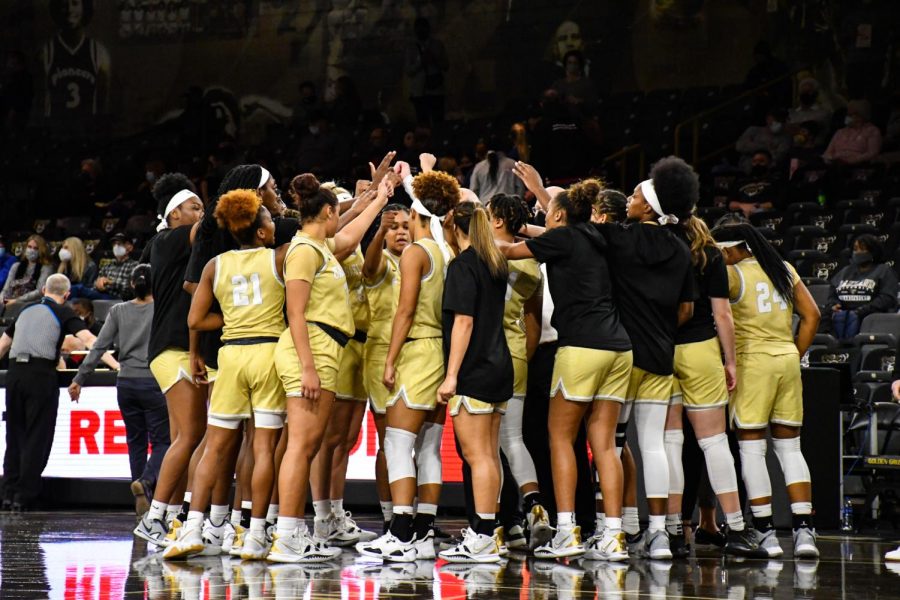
(789, 112)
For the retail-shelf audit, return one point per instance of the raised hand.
(383, 168)
(529, 176)
(427, 162)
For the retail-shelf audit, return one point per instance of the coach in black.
(32, 388)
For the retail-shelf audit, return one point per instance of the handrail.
(695, 119)
(624, 153)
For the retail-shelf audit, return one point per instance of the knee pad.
(719, 463)
(674, 441)
(650, 420)
(521, 464)
(792, 462)
(756, 475)
(428, 454)
(398, 453)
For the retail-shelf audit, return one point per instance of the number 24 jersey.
(762, 318)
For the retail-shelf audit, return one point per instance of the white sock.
(272, 515)
(763, 510)
(217, 514)
(674, 525)
(426, 509)
(601, 521)
(246, 505)
(387, 509)
(402, 510)
(235, 516)
(614, 524)
(565, 519)
(337, 506)
(172, 511)
(657, 523)
(157, 510)
(187, 498)
(194, 520)
(630, 523)
(258, 525)
(287, 525)
(735, 521)
(801, 508)
(322, 509)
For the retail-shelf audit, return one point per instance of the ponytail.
(700, 239)
(765, 254)
(474, 219)
(140, 281)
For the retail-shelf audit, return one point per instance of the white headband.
(344, 196)
(729, 244)
(176, 201)
(264, 177)
(652, 199)
(435, 225)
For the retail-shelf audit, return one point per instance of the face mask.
(758, 170)
(848, 121)
(65, 255)
(862, 258)
(31, 254)
(314, 129)
(119, 251)
(775, 127)
(151, 177)
(808, 98)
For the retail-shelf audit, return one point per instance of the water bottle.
(821, 199)
(847, 516)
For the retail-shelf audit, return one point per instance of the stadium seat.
(101, 308)
(820, 294)
(848, 356)
(11, 311)
(850, 231)
(879, 329)
(774, 220)
(826, 340)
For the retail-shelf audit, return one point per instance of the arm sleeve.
(461, 289)
(104, 342)
(302, 263)
(718, 276)
(553, 244)
(36, 294)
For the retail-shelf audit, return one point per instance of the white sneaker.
(228, 535)
(805, 543)
(539, 530)
(174, 525)
(658, 545)
(607, 546)
(212, 538)
(474, 548)
(388, 547)
(566, 543)
(892, 555)
(152, 530)
(188, 543)
(256, 547)
(237, 543)
(479, 578)
(323, 529)
(425, 547)
(299, 547)
(348, 526)
(769, 541)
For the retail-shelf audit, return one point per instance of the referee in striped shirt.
(32, 388)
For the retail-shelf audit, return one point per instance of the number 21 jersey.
(250, 292)
(762, 318)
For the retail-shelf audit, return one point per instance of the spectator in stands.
(772, 137)
(859, 141)
(426, 66)
(114, 281)
(810, 110)
(7, 260)
(75, 263)
(575, 88)
(28, 276)
(494, 175)
(143, 406)
(866, 286)
(761, 190)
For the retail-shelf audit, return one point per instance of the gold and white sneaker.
(566, 543)
(474, 548)
(502, 548)
(539, 530)
(255, 547)
(237, 543)
(188, 543)
(607, 547)
(300, 547)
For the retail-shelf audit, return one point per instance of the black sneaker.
(636, 544)
(679, 546)
(744, 543)
(703, 537)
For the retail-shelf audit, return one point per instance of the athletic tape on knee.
(620, 436)
(650, 420)
(719, 463)
(753, 463)
(428, 454)
(793, 465)
(674, 442)
(513, 445)
(398, 453)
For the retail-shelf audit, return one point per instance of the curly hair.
(677, 186)
(239, 211)
(167, 186)
(613, 204)
(312, 197)
(513, 210)
(581, 197)
(438, 191)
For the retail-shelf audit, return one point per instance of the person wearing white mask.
(28, 276)
(771, 136)
(114, 281)
(76, 264)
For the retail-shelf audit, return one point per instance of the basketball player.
(76, 66)
(765, 292)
